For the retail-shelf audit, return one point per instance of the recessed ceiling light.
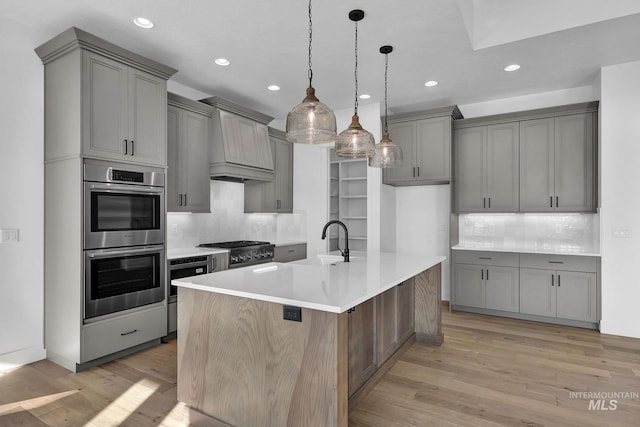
(364, 96)
(512, 67)
(222, 61)
(431, 83)
(273, 87)
(143, 22)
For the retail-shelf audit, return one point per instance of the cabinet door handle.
(180, 203)
(414, 171)
(126, 144)
(558, 280)
(482, 274)
(132, 147)
(550, 201)
(278, 204)
(128, 333)
(487, 274)
(484, 202)
(185, 199)
(489, 203)
(557, 201)
(552, 280)
(418, 170)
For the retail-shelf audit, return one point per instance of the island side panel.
(427, 306)
(241, 363)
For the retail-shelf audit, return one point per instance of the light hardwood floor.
(489, 371)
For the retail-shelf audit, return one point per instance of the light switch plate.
(9, 235)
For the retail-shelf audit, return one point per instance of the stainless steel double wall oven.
(124, 237)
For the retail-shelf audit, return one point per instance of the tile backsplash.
(227, 221)
(530, 230)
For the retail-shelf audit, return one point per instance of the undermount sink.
(326, 259)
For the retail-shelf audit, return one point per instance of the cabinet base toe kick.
(530, 317)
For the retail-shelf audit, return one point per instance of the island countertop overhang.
(310, 284)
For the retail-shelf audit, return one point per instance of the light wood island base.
(240, 364)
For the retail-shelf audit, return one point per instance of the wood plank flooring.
(489, 371)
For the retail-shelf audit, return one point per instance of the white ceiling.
(464, 44)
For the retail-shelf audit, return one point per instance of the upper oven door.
(118, 215)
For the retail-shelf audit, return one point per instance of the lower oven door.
(123, 278)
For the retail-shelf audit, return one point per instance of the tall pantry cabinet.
(102, 103)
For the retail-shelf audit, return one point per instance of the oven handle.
(101, 253)
(128, 189)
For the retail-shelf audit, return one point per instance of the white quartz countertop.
(311, 284)
(531, 248)
(193, 251)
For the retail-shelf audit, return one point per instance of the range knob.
(234, 259)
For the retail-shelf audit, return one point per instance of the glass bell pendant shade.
(311, 122)
(387, 154)
(355, 142)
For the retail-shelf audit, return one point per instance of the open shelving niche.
(348, 201)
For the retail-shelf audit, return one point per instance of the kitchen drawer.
(559, 262)
(119, 333)
(505, 259)
(288, 253)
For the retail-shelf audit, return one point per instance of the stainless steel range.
(245, 252)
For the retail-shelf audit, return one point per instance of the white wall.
(620, 198)
(22, 197)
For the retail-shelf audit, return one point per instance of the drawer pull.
(128, 333)
(291, 251)
(556, 262)
(484, 257)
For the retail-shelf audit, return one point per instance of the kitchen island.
(241, 364)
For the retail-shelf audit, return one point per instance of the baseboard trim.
(21, 357)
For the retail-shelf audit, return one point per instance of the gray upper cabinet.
(486, 168)
(534, 161)
(103, 101)
(188, 155)
(557, 164)
(273, 196)
(240, 146)
(425, 139)
(125, 112)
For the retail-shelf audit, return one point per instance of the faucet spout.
(345, 253)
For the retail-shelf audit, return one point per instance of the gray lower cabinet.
(273, 196)
(290, 252)
(486, 280)
(425, 139)
(363, 352)
(564, 287)
(560, 287)
(557, 164)
(188, 155)
(487, 168)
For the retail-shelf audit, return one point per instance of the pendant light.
(311, 122)
(355, 142)
(387, 154)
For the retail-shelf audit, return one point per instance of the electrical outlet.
(290, 312)
(621, 233)
(175, 229)
(9, 235)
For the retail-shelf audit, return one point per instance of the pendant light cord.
(356, 71)
(310, 39)
(386, 70)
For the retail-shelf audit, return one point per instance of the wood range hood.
(240, 146)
